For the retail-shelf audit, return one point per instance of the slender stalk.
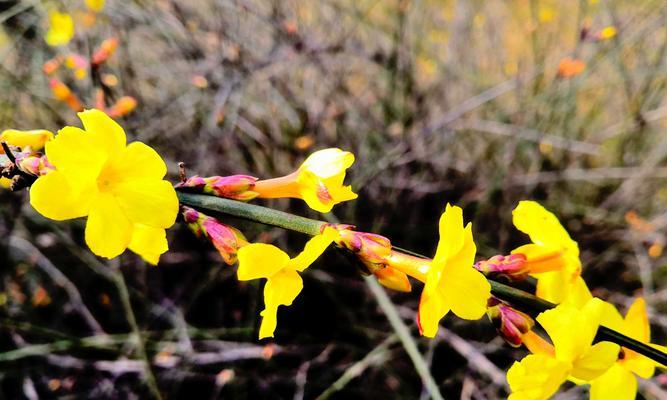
(121, 286)
(406, 338)
(522, 300)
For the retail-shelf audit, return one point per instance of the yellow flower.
(283, 282)
(451, 282)
(34, 139)
(536, 377)
(553, 257)
(95, 5)
(619, 381)
(119, 188)
(61, 29)
(318, 181)
(571, 330)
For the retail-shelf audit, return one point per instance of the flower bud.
(511, 324)
(512, 267)
(106, 50)
(226, 239)
(51, 66)
(122, 107)
(236, 187)
(371, 249)
(63, 93)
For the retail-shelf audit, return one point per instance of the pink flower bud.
(512, 267)
(226, 239)
(236, 187)
(32, 164)
(511, 324)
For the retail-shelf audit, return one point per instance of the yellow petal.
(280, 290)
(5, 182)
(139, 161)
(617, 383)
(148, 242)
(553, 286)
(572, 330)
(542, 226)
(432, 309)
(393, 279)
(595, 361)
(106, 132)
(76, 154)
(313, 249)
(35, 139)
(451, 234)
(636, 324)
(260, 260)
(466, 290)
(640, 365)
(55, 197)
(149, 202)
(108, 230)
(61, 29)
(95, 5)
(328, 162)
(536, 377)
(322, 194)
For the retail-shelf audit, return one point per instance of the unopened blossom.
(236, 187)
(226, 239)
(104, 51)
(283, 282)
(512, 267)
(510, 323)
(61, 29)
(63, 93)
(122, 107)
(451, 282)
(553, 257)
(119, 187)
(318, 181)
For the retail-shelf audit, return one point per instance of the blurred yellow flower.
(95, 5)
(619, 382)
(570, 67)
(61, 29)
(318, 181)
(451, 282)
(120, 188)
(553, 257)
(33, 139)
(607, 33)
(572, 331)
(283, 285)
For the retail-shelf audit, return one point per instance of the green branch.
(518, 298)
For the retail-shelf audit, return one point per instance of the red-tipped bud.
(122, 107)
(512, 267)
(226, 239)
(236, 187)
(63, 93)
(371, 249)
(393, 279)
(106, 49)
(511, 324)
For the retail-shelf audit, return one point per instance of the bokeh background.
(477, 103)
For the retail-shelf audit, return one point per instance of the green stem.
(124, 295)
(523, 300)
(253, 212)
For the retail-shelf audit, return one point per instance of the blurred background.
(477, 103)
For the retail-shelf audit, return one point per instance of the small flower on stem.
(33, 140)
(451, 282)
(553, 257)
(226, 239)
(318, 181)
(283, 285)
